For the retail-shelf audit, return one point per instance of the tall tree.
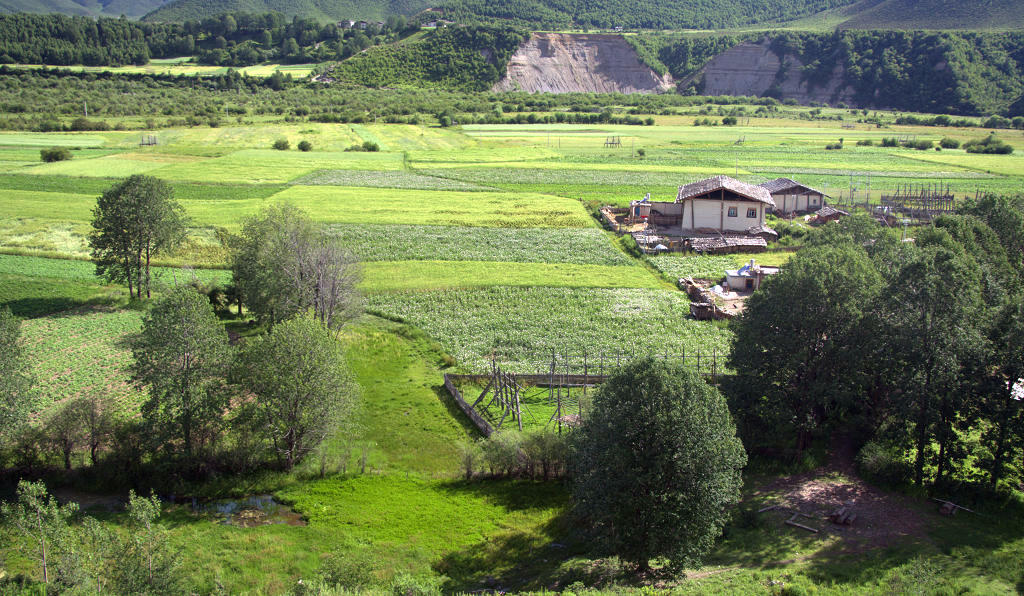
(1003, 398)
(657, 464)
(134, 221)
(795, 345)
(42, 521)
(15, 384)
(283, 265)
(300, 381)
(929, 328)
(182, 354)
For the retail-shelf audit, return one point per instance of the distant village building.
(346, 24)
(792, 197)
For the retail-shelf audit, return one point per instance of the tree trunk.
(922, 440)
(147, 272)
(92, 452)
(67, 458)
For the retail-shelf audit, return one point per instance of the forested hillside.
(940, 72)
(999, 15)
(648, 14)
(234, 39)
(322, 10)
(110, 8)
(459, 58)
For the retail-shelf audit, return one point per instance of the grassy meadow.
(479, 242)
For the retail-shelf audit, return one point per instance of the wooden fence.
(484, 426)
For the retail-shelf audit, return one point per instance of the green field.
(479, 242)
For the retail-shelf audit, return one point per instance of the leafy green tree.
(302, 388)
(43, 522)
(284, 265)
(1003, 396)
(64, 429)
(657, 464)
(182, 354)
(143, 561)
(795, 345)
(924, 328)
(15, 383)
(55, 154)
(134, 221)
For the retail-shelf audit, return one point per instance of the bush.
(502, 452)
(883, 462)
(890, 142)
(729, 121)
(54, 154)
(370, 146)
(305, 145)
(921, 145)
(865, 143)
(948, 143)
(281, 144)
(989, 145)
(833, 146)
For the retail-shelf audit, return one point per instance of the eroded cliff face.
(566, 63)
(754, 69)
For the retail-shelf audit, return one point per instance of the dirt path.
(883, 518)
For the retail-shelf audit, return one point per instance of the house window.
(751, 213)
(732, 212)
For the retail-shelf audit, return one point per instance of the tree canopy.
(657, 464)
(134, 221)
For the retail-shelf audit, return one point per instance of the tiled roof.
(749, 191)
(781, 184)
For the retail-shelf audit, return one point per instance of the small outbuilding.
(827, 214)
(792, 197)
(748, 277)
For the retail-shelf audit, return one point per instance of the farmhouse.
(792, 197)
(718, 214)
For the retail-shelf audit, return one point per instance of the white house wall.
(713, 214)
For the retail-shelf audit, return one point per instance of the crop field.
(390, 276)
(81, 353)
(336, 204)
(390, 242)
(712, 266)
(520, 325)
(478, 241)
(386, 179)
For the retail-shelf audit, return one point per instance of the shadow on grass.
(33, 308)
(513, 495)
(456, 412)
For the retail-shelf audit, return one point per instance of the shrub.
(890, 142)
(370, 146)
(503, 452)
(989, 145)
(281, 144)
(55, 154)
(833, 146)
(865, 143)
(305, 145)
(883, 462)
(921, 145)
(948, 143)
(729, 121)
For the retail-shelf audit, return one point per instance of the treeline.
(462, 58)
(51, 100)
(230, 39)
(939, 72)
(911, 347)
(647, 14)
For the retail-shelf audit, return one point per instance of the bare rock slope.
(754, 69)
(566, 63)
